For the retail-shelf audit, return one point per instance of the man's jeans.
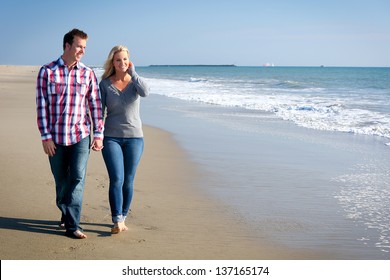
(69, 166)
(121, 156)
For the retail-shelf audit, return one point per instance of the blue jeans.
(69, 166)
(121, 156)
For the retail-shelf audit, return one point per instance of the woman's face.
(121, 61)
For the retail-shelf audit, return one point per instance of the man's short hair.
(69, 37)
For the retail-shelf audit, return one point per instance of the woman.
(123, 143)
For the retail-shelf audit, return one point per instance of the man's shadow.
(44, 226)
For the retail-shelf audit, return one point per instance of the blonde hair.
(109, 69)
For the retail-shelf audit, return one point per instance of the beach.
(171, 217)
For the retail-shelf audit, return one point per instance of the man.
(67, 100)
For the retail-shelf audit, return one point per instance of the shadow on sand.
(45, 226)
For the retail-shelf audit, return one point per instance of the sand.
(170, 219)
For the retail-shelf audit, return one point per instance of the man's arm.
(43, 113)
(95, 108)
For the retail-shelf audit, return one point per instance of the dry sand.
(170, 219)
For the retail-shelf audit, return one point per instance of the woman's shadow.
(44, 226)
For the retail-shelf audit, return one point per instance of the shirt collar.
(61, 63)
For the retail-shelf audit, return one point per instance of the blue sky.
(245, 32)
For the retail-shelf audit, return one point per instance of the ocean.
(301, 154)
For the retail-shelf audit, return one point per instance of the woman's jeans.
(121, 156)
(69, 165)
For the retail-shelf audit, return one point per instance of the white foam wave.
(195, 80)
(308, 107)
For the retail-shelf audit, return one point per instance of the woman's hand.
(131, 68)
(97, 145)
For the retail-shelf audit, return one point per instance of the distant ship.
(268, 64)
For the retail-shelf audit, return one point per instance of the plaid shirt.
(67, 100)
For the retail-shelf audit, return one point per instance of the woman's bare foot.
(118, 227)
(79, 234)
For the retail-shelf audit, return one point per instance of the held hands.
(97, 145)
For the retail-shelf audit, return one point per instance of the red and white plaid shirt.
(67, 100)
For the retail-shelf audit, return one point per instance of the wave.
(196, 80)
(308, 107)
(290, 84)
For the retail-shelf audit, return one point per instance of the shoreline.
(170, 218)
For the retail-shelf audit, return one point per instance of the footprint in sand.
(84, 246)
(151, 228)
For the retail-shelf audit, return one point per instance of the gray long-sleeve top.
(122, 108)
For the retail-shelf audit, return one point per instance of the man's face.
(77, 49)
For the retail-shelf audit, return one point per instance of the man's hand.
(49, 148)
(97, 145)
